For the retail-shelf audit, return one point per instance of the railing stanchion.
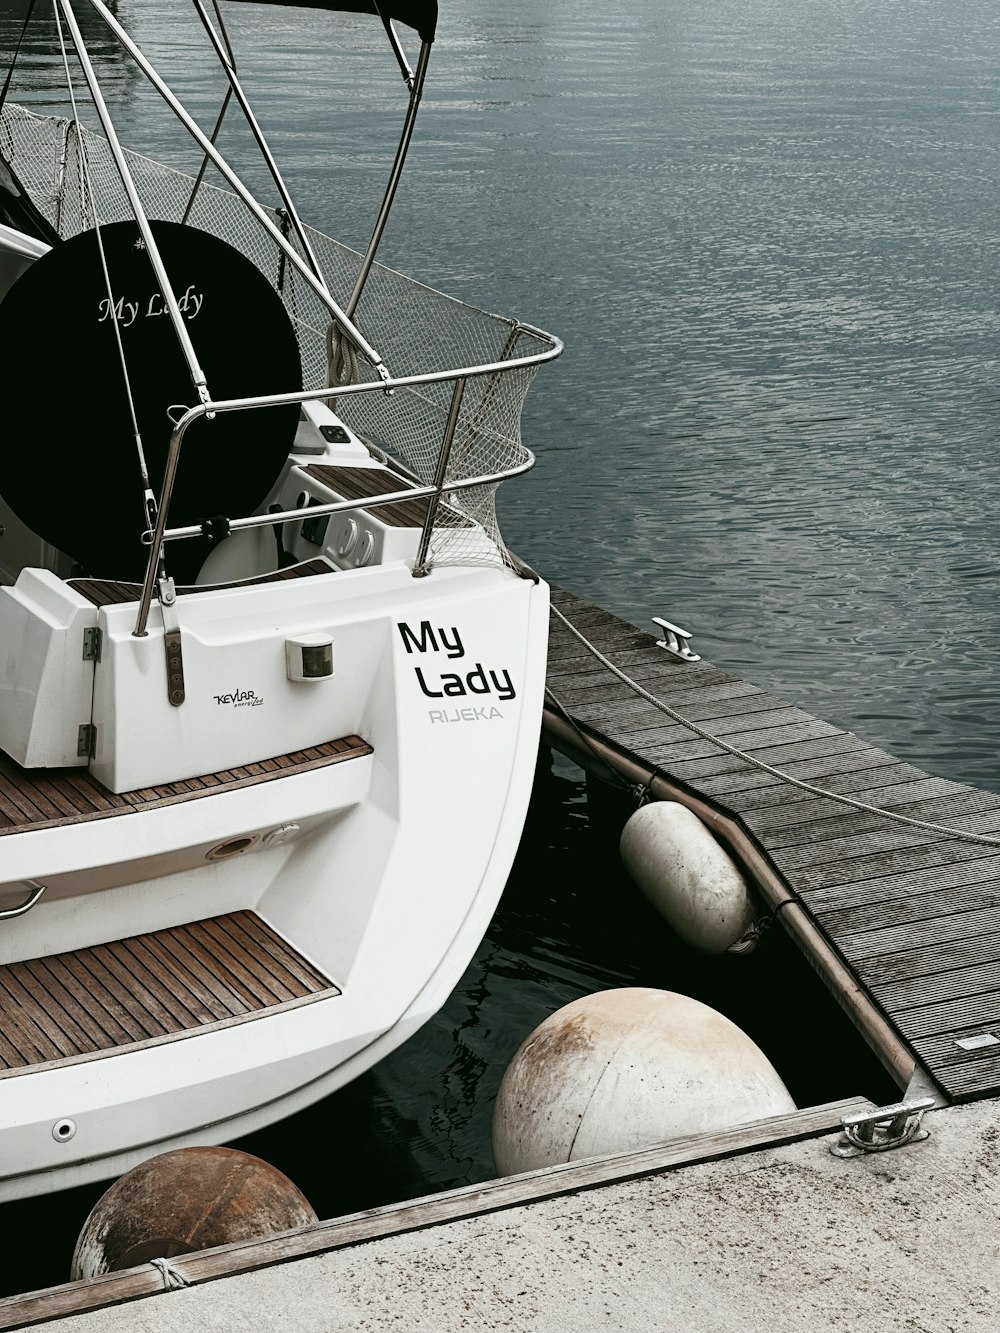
(163, 509)
(420, 565)
(433, 492)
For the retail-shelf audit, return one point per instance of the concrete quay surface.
(782, 1238)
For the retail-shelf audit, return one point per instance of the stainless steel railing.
(160, 534)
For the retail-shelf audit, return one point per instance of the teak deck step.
(49, 797)
(111, 592)
(149, 989)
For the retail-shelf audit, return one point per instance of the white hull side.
(388, 887)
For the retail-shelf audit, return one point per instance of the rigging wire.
(929, 826)
(224, 52)
(221, 116)
(205, 159)
(88, 199)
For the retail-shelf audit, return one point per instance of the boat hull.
(380, 872)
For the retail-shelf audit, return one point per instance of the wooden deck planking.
(48, 798)
(914, 913)
(886, 888)
(843, 772)
(920, 935)
(900, 861)
(966, 1075)
(152, 987)
(812, 819)
(914, 907)
(765, 741)
(915, 992)
(907, 792)
(846, 848)
(364, 483)
(113, 592)
(947, 954)
(728, 718)
(696, 766)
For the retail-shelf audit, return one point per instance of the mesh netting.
(415, 329)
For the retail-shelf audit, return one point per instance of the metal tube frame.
(160, 533)
(209, 149)
(384, 501)
(218, 120)
(135, 203)
(398, 52)
(224, 54)
(420, 565)
(406, 135)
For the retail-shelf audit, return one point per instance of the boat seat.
(245, 553)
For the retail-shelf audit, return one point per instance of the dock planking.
(914, 913)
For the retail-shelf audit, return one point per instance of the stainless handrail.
(341, 506)
(192, 414)
(35, 891)
(333, 507)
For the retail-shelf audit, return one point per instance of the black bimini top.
(420, 15)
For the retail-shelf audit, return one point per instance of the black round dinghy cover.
(421, 15)
(70, 467)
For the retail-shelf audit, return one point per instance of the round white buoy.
(687, 876)
(186, 1200)
(624, 1069)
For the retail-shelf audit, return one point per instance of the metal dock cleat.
(675, 640)
(884, 1128)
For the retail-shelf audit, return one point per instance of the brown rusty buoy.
(190, 1199)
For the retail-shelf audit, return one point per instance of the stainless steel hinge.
(172, 647)
(86, 741)
(884, 1128)
(93, 643)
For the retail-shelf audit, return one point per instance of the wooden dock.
(914, 914)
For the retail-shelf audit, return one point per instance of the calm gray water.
(768, 235)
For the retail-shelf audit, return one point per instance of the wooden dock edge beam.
(583, 748)
(433, 1210)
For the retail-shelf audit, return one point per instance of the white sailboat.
(270, 682)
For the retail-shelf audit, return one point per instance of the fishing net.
(415, 329)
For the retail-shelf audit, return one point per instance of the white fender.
(687, 876)
(625, 1069)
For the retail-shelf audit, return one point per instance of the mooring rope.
(928, 826)
(341, 360)
(88, 200)
(173, 1278)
